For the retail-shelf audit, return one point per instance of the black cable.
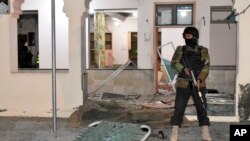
(243, 11)
(229, 25)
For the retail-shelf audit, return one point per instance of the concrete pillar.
(15, 11)
(74, 11)
(15, 8)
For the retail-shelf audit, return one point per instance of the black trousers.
(181, 100)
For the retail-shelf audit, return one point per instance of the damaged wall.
(128, 82)
(243, 43)
(244, 104)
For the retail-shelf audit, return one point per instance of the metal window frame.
(174, 14)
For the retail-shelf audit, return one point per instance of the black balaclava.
(191, 42)
(194, 41)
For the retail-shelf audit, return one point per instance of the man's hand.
(200, 83)
(186, 71)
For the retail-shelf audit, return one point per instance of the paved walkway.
(40, 129)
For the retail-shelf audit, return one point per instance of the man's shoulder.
(205, 49)
(202, 47)
(178, 48)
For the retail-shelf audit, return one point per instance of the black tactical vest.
(191, 58)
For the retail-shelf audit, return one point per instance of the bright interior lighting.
(186, 10)
(134, 14)
(91, 11)
(117, 23)
(183, 13)
(116, 20)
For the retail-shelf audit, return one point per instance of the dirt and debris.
(154, 111)
(149, 110)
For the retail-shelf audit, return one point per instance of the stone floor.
(41, 129)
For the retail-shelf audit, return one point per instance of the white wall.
(113, 4)
(44, 25)
(29, 92)
(243, 43)
(120, 39)
(243, 47)
(21, 93)
(173, 35)
(145, 34)
(223, 44)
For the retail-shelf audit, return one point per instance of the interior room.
(28, 49)
(120, 40)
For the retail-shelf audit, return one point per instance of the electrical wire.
(243, 11)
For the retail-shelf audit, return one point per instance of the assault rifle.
(198, 90)
(191, 73)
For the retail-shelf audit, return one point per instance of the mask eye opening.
(188, 36)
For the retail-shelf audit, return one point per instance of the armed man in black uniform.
(192, 63)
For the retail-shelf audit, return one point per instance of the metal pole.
(84, 33)
(53, 65)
